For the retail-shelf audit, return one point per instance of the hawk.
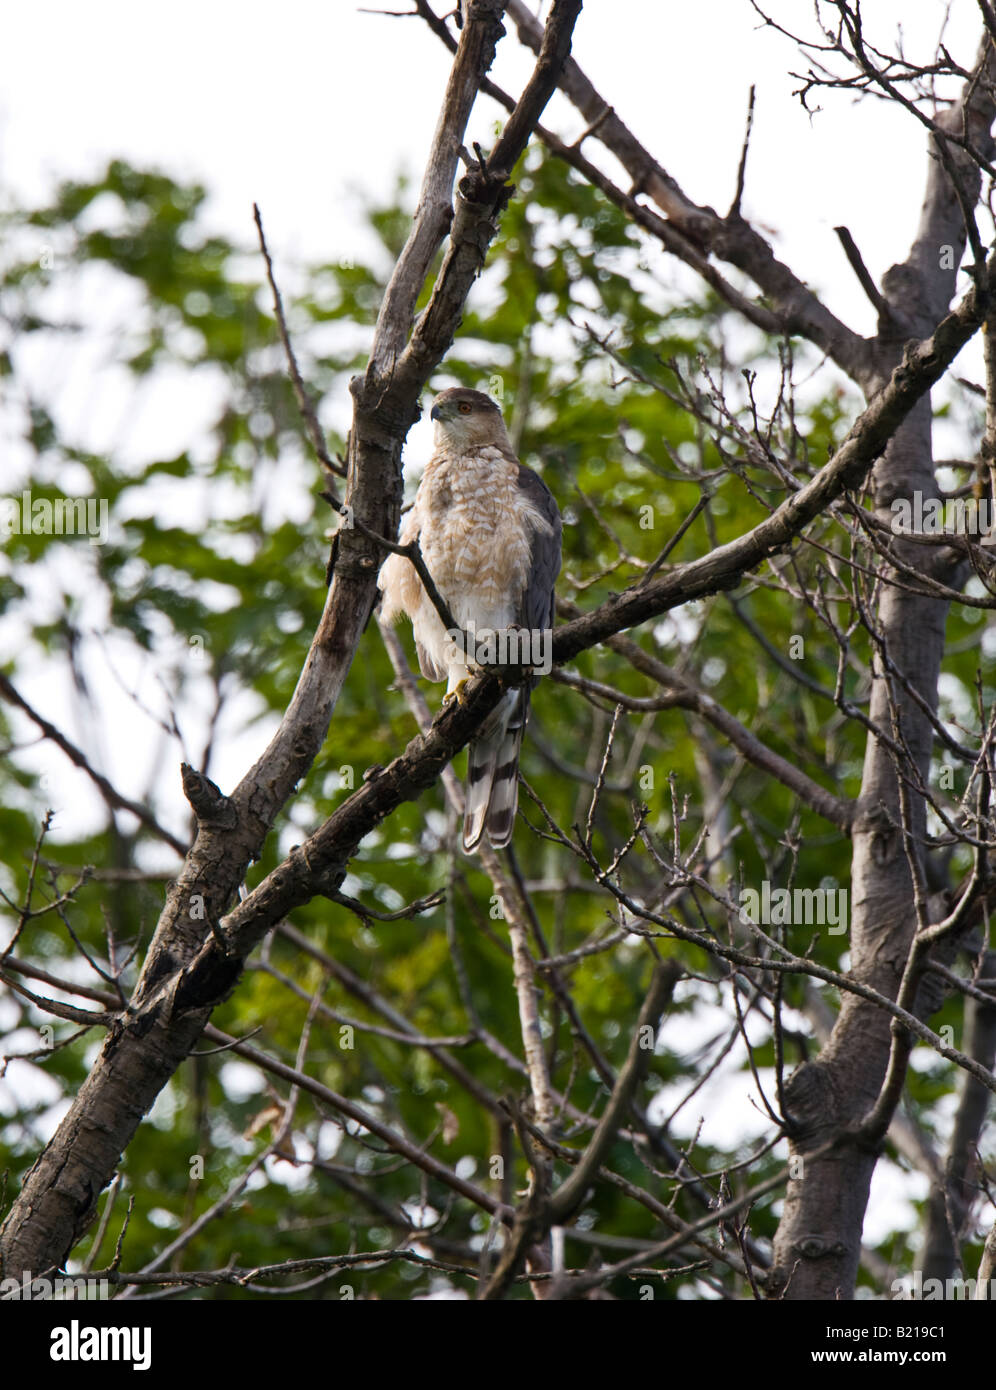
(489, 532)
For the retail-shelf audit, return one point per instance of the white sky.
(296, 106)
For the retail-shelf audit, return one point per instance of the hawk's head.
(467, 419)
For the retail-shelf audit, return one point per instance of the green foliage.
(215, 568)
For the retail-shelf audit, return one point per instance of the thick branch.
(474, 56)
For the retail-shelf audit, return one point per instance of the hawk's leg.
(456, 685)
(457, 693)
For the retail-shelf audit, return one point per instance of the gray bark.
(818, 1244)
(952, 1198)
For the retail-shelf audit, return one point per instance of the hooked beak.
(435, 413)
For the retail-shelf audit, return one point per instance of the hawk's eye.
(464, 408)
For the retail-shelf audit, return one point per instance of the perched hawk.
(489, 532)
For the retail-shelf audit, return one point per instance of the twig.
(734, 211)
(78, 759)
(303, 401)
(571, 1193)
(855, 261)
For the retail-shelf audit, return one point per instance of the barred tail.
(493, 774)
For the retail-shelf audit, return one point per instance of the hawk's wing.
(536, 606)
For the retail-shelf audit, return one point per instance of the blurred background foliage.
(611, 378)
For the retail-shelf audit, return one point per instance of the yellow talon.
(457, 693)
